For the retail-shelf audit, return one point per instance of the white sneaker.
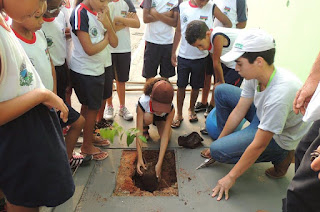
(108, 113)
(125, 114)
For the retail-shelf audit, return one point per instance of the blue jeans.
(230, 148)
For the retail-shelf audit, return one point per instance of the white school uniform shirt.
(235, 10)
(158, 32)
(38, 53)
(18, 75)
(274, 108)
(230, 34)
(54, 29)
(188, 13)
(67, 10)
(108, 59)
(83, 19)
(121, 8)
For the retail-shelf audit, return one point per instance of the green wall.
(295, 28)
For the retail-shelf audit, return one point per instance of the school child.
(155, 106)
(218, 42)
(125, 18)
(236, 11)
(89, 21)
(67, 10)
(34, 42)
(192, 63)
(102, 117)
(161, 17)
(32, 150)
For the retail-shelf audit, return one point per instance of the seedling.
(116, 130)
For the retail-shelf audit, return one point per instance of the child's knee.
(147, 119)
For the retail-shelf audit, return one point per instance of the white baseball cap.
(249, 40)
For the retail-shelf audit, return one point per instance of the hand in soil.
(140, 164)
(223, 186)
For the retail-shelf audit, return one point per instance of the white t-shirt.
(54, 29)
(158, 32)
(188, 13)
(38, 53)
(83, 19)
(121, 8)
(67, 10)
(235, 10)
(18, 75)
(230, 34)
(274, 108)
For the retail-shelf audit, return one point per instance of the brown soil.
(129, 183)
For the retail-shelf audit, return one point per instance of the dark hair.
(268, 56)
(150, 83)
(196, 30)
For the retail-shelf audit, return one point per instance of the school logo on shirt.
(203, 18)
(123, 13)
(49, 42)
(169, 4)
(26, 78)
(94, 32)
(153, 4)
(227, 9)
(184, 19)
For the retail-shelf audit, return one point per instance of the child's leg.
(73, 135)
(101, 110)
(87, 146)
(121, 88)
(193, 99)
(180, 99)
(206, 89)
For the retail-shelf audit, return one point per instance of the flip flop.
(176, 123)
(94, 155)
(203, 154)
(193, 117)
(100, 142)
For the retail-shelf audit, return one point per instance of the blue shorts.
(89, 89)
(62, 80)
(193, 69)
(231, 76)
(155, 55)
(73, 116)
(121, 66)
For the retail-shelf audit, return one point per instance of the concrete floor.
(95, 183)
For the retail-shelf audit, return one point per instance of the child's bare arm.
(147, 17)
(54, 76)
(131, 20)
(222, 17)
(170, 18)
(13, 108)
(176, 41)
(105, 19)
(88, 47)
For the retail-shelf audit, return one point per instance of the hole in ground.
(129, 183)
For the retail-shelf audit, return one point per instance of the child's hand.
(130, 15)
(139, 164)
(174, 60)
(158, 171)
(53, 101)
(67, 32)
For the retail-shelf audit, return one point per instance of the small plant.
(116, 130)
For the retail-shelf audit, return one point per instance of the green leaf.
(130, 139)
(142, 138)
(107, 133)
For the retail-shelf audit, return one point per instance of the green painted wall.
(295, 28)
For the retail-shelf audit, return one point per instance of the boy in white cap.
(266, 102)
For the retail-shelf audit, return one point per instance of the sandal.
(95, 156)
(98, 141)
(176, 123)
(204, 131)
(203, 154)
(193, 117)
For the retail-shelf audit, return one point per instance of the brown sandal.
(176, 123)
